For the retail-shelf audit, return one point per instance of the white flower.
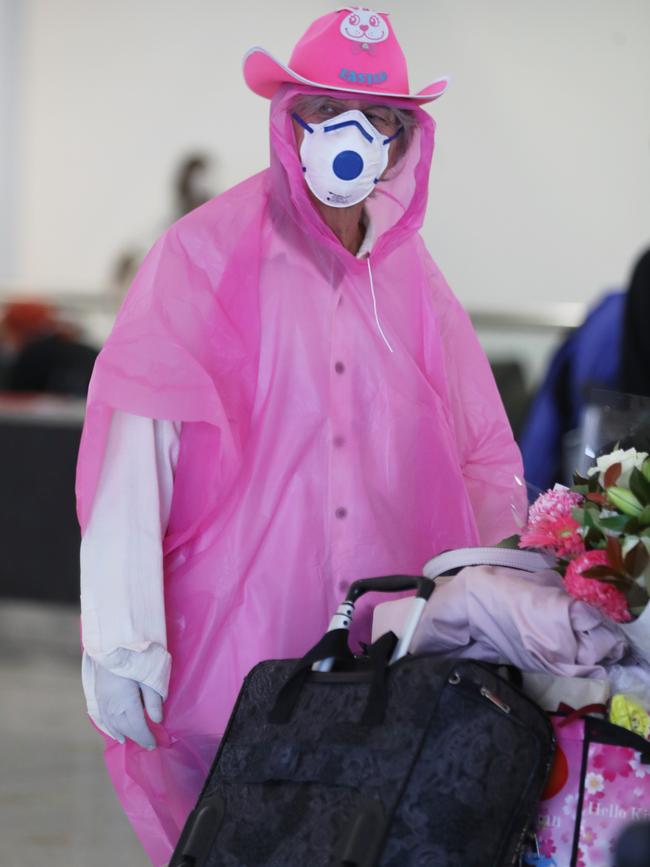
(640, 770)
(594, 783)
(570, 804)
(629, 460)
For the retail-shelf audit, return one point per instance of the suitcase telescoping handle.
(391, 584)
(385, 584)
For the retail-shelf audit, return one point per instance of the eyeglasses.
(382, 118)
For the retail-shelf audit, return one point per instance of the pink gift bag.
(599, 783)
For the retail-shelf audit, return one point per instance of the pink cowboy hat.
(352, 50)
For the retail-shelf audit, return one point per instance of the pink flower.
(605, 597)
(561, 534)
(556, 503)
(613, 761)
(546, 845)
(627, 796)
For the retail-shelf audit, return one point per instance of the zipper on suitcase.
(476, 689)
(456, 680)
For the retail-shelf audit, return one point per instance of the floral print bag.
(600, 782)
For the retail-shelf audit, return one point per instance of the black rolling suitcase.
(371, 760)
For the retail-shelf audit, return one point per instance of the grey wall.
(539, 184)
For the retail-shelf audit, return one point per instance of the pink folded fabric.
(496, 614)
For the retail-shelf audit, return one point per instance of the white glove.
(120, 702)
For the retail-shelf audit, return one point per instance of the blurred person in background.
(291, 398)
(635, 360)
(41, 353)
(633, 846)
(589, 358)
(611, 351)
(193, 186)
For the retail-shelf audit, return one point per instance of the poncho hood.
(396, 207)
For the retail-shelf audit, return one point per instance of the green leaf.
(644, 517)
(595, 539)
(590, 518)
(616, 523)
(624, 500)
(578, 515)
(594, 483)
(579, 481)
(645, 469)
(640, 487)
(510, 542)
(594, 536)
(636, 596)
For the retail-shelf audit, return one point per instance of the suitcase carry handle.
(334, 644)
(512, 558)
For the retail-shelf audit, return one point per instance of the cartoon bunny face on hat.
(364, 25)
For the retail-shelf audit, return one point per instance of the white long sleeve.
(122, 591)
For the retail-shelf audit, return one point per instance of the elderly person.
(291, 399)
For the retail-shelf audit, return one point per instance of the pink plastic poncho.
(310, 454)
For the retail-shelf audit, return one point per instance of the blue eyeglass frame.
(303, 123)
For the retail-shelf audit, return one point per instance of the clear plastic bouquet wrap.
(599, 527)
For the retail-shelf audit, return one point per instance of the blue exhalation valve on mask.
(343, 158)
(347, 165)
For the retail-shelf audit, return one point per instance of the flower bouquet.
(599, 531)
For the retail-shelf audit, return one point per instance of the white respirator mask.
(343, 157)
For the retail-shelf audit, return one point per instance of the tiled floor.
(57, 807)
